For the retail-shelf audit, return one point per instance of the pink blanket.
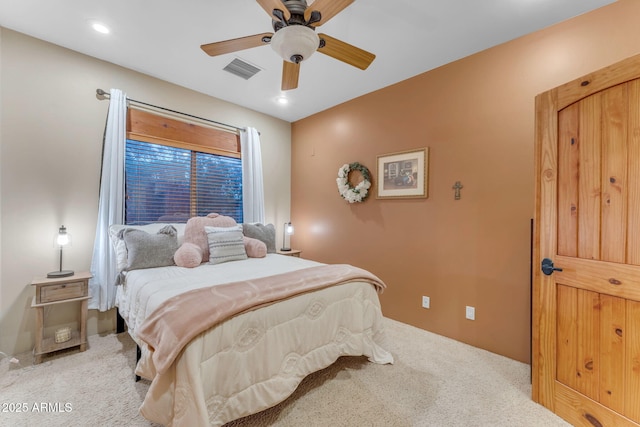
(181, 318)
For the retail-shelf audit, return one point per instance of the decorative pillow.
(265, 233)
(188, 255)
(255, 248)
(120, 247)
(225, 244)
(146, 250)
(194, 231)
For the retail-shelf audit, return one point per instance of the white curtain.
(111, 207)
(252, 185)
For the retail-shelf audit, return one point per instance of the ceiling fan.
(294, 37)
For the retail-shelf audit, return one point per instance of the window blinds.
(171, 184)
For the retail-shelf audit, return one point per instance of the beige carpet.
(434, 382)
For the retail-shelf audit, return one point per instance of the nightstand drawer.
(62, 291)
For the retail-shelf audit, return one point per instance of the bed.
(222, 341)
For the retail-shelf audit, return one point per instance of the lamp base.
(61, 273)
(285, 249)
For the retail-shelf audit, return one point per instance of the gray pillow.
(146, 250)
(265, 233)
(225, 244)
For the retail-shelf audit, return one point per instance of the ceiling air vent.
(242, 69)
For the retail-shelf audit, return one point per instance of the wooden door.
(586, 318)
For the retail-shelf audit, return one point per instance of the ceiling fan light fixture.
(295, 43)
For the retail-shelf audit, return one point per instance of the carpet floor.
(435, 381)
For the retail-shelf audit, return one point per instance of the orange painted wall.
(477, 117)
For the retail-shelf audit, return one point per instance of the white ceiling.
(162, 38)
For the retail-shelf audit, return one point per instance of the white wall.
(51, 128)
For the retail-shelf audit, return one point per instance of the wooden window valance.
(156, 129)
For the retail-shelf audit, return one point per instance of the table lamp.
(62, 239)
(288, 231)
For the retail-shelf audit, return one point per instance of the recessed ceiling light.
(101, 28)
(282, 100)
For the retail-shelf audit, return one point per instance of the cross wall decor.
(457, 187)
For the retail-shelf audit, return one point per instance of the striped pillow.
(225, 244)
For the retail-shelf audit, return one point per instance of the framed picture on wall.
(403, 174)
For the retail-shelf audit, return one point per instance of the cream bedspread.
(256, 359)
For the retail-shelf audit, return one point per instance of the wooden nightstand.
(58, 291)
(292, 252)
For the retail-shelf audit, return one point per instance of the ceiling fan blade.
(269, 5)
(233, 45)
(290, 73)
(328, 9)
(345, 52)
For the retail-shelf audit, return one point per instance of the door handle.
(548, 268)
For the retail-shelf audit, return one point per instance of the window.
(172, 181)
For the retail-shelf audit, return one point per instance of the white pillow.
(121, 248)
(225, 244)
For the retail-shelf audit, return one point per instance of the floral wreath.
(347, 191)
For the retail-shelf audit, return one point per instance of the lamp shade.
(295, 43)
(63, 238)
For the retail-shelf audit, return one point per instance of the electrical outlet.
(471, 313)
(426, 301)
